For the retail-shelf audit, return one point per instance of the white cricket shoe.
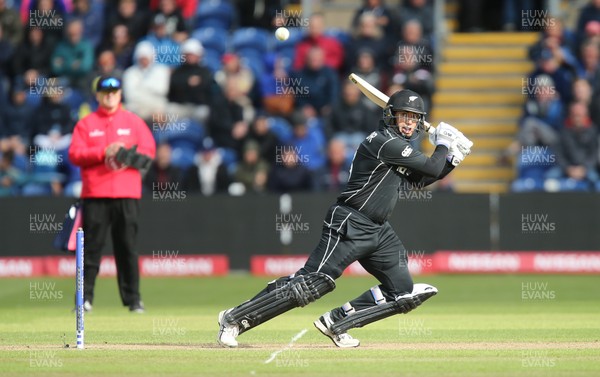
(227, 332)
(323, 324)
(424, 291)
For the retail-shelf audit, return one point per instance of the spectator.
(590, 57)
(562, 77)
(208, 175)
(52, 119)
(46, 14)
(192, 86)
(10, 176)
(166, 48)
(188, 9)
(320, 80)
(587, 14)
(277, 89)
(386, 17)
(136, 20)
(7, 51)
(162, 175)
(333, 52)
(582, 92)
(266, 139)
(252, 171)
(557, 39)
(174, 22)
(235, 70)
(10, 23)
(16, 116)
(91, 14)
(412, 42)
(289, 173)
(34, 53)
(338, 167)
(106, 65)
(146, 83)
(367, 69)
(226, 123)
(350, 121)
(308, 142)
(542, 119)
(368, 37)
(413, 71)
(73, 57)
(578, 152)
(121, 45)
(52, 127)
(421, 10)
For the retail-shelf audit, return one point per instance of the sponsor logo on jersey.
(407, 151)
(403, 170)
(96, 133)
(123, 131)
(371, 136)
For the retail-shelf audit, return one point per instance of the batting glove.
(455, 155)
(445, 134)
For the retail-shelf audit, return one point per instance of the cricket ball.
(282, 33)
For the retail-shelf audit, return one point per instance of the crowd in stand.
(232, 109)
(557, 147)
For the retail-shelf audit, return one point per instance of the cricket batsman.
(356, 228)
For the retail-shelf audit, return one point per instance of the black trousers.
(349, 236)
(121, 217)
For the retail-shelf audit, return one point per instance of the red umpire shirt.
(92, 135)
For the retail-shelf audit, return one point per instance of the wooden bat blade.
(369, 90)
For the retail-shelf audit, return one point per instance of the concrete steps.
(479, 91)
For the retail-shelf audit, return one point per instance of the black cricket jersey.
(382, 163)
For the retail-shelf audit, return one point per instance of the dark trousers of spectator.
(121, 217)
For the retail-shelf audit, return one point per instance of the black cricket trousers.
(120, 215)
(347, 236)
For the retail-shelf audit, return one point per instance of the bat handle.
(428, 127)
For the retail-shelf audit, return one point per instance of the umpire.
(356, 228)
(111, 189)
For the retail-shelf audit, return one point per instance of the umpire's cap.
(107, 84)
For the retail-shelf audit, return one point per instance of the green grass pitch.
(478, 325)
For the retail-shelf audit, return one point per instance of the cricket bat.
(380, 99)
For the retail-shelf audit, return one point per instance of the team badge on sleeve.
(407, 151)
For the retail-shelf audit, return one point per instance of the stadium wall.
(241, 227)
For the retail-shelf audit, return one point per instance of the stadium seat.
(212, 60)
(215, 13)
(255, 62)
(212, 38)
(250, 39)
(182, 154)
(340, 34)
(187, 130)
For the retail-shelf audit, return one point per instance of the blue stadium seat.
(215, 13)
(182, 154)
(250, 38)
(253, 61)
(212, 60)
(212, 38)
(340, 34)
(186, 130)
